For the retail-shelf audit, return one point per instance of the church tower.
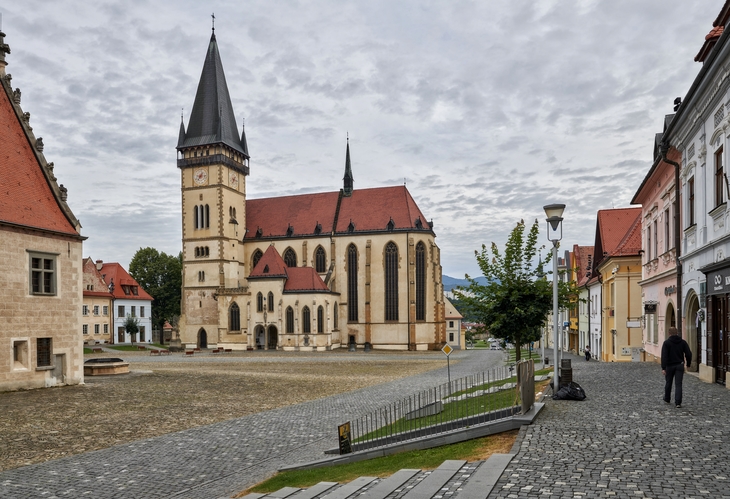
(214, 162)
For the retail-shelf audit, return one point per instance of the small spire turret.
(348, 180)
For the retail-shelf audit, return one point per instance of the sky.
(487, 110)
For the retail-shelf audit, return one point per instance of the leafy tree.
(161, 276)
(131, 326)
(516, 300)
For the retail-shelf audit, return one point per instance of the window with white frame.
(105, 310)
(84, 310)
(96, 328)
(96, 309)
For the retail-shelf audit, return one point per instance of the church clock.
(200, 176)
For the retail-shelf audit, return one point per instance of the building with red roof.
(314, 271)
(581, 260)
(41, 263)
(97, 311)
(617, 265)
(130, 300)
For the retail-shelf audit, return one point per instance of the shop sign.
(718, 282)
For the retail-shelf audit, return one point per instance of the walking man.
(674, 352)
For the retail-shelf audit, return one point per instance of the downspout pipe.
(664, 149)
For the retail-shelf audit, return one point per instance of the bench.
(217, 350)
(164, 352)
(228, 350)
(141, 347)
(196, 349)
(155, 352)
(189, 352)
(97, 350)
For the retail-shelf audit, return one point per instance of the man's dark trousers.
(674, 373)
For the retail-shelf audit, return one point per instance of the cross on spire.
(213, 20)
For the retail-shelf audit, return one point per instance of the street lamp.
(554, 219)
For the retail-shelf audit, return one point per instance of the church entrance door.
(260, 337)
(273, 338)
(202, 339)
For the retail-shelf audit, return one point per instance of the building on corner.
(130, 300)
(97, 308)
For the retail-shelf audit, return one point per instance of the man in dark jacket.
(674, 352)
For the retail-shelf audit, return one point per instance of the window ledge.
(45, 368)
(718, 210)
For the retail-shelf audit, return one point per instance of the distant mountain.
(451, 282)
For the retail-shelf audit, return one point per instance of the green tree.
(160, 275)
(516, 300)
(131, 326)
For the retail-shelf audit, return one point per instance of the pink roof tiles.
(618, 233)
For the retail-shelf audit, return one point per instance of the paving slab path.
(223, 458)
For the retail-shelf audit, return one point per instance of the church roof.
(297, 279)
(366, 210)
(29, 196)
(212, 120)
(114, 273)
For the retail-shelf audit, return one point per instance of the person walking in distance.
(587, 351)
(674, 353)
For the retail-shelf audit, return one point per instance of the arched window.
(290, 258)
(391, 282)
(197, 251)
(207, 217)
(420, 281)
(306, 321)
(335, 317)
(196, 222)
(259, 302)
(270, 302)
(352, 283)
(256, 257)
(320, 319)
(235, 317)
(289, 320)
(320, 260)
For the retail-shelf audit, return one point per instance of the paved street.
(623, 441)
(221, 458)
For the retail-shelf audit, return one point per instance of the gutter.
(664, 148)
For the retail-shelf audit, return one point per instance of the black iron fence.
(473, 400)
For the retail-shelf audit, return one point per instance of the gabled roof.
(29, 194)
(212, 120)
(368, 210)
(116, 275)
(270, 265)
(583, 261)
(618, 233)
(657, 166)
(94, 284)
(296, 279)
(450, 310)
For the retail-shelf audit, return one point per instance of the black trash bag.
(572, 391)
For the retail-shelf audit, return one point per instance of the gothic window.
(352, 283)
(335, 317)
(420, 281)
(289, 320)
(320, 319)
(270, 302)
(290, 258)
(207, 217)
(256, 257)
(201, 216)
(719, 178)
(320, 260)
(306, 321)
(391, 282)
(259, 302)
(691, 202)
(235, 317)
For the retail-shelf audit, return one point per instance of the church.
(350, 268)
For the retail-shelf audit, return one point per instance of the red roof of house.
(26, 198)
(618, 233)
(114, 274)
(583, 260)
(94, 284)
(710, 41)
(296, 279)
(368, 209)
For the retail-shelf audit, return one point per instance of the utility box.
(566, 372)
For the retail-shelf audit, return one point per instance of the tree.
(516, 300)
(161, 276)
(131, 326)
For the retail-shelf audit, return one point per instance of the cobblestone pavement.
(624, 441)
(220, 459)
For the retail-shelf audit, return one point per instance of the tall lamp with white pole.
(554, 214)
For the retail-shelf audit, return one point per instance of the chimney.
(99, 264)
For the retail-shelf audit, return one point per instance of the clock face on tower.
(200, 176)
(233, 179)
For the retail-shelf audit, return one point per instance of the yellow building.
(40, 259)
(618, 263)
(96, 311)
(360, 266)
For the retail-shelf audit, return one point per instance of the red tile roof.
(113, 273)
(618, 233)
(368, 209)
(94, 284)
(297, 279)
(583, 260)
(26, 198)
(710, 41)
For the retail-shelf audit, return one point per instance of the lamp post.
(554, 219)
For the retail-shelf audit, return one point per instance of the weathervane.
(213, 16)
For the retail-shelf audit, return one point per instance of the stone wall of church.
(25, 317)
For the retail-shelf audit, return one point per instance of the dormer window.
(391, 225)
(318, 228)
(419, 223)
(289, 230)
(266, 269)
(259, 232)
(351, 227)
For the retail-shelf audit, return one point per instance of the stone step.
(315, 490)
(386, 487)
(482, 481)
(350, 488)
(283, 493)
(430, 486)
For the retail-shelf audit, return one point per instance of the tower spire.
(348, 180)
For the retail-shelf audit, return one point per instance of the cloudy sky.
(487, 109)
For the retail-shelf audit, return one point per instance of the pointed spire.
(348, 180)
(244, 144)
(181, 135)
(212, 120)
